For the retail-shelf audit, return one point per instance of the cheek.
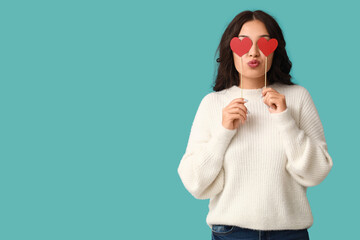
(270, 60)
(237, 61)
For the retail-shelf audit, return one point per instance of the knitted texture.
(256, 176)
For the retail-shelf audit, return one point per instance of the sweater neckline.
(235, 91)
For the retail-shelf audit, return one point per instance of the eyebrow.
(264, 35)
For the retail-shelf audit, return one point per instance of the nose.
(254, 50)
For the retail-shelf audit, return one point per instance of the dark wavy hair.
(227, 75)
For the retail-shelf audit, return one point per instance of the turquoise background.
(98, 97)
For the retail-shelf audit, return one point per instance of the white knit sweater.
(256, 176)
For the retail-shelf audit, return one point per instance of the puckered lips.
(253, 63)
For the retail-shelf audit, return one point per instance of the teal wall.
(97, 100)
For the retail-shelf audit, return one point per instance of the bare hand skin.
(275, 101)
(233, 113)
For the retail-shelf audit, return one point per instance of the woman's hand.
(233, 113)
(274, 100)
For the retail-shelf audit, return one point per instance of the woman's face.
(254, 30)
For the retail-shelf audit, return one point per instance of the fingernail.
(245, 100)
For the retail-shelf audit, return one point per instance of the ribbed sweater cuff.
(221, 139)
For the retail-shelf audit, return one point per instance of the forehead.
(254, 28)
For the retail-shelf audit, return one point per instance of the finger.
(238, 110)
(236, 104)
(238, 100)
(240, 106)
(266, 90)
(269, 96)
(273, 101)
(234, 116)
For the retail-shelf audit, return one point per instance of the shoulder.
(296, 88)
(213, 102)
(296, 91)
(212, 98)
(206, 101)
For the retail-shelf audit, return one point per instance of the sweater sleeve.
(201, 167)
(308, 159)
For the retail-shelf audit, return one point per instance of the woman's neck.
(253, 83)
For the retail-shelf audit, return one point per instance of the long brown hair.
(227, 75)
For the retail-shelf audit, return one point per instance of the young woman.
(254, 156)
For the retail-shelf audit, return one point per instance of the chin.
(257, 76)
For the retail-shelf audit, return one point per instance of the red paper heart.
(240, 47)
(267, 47)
